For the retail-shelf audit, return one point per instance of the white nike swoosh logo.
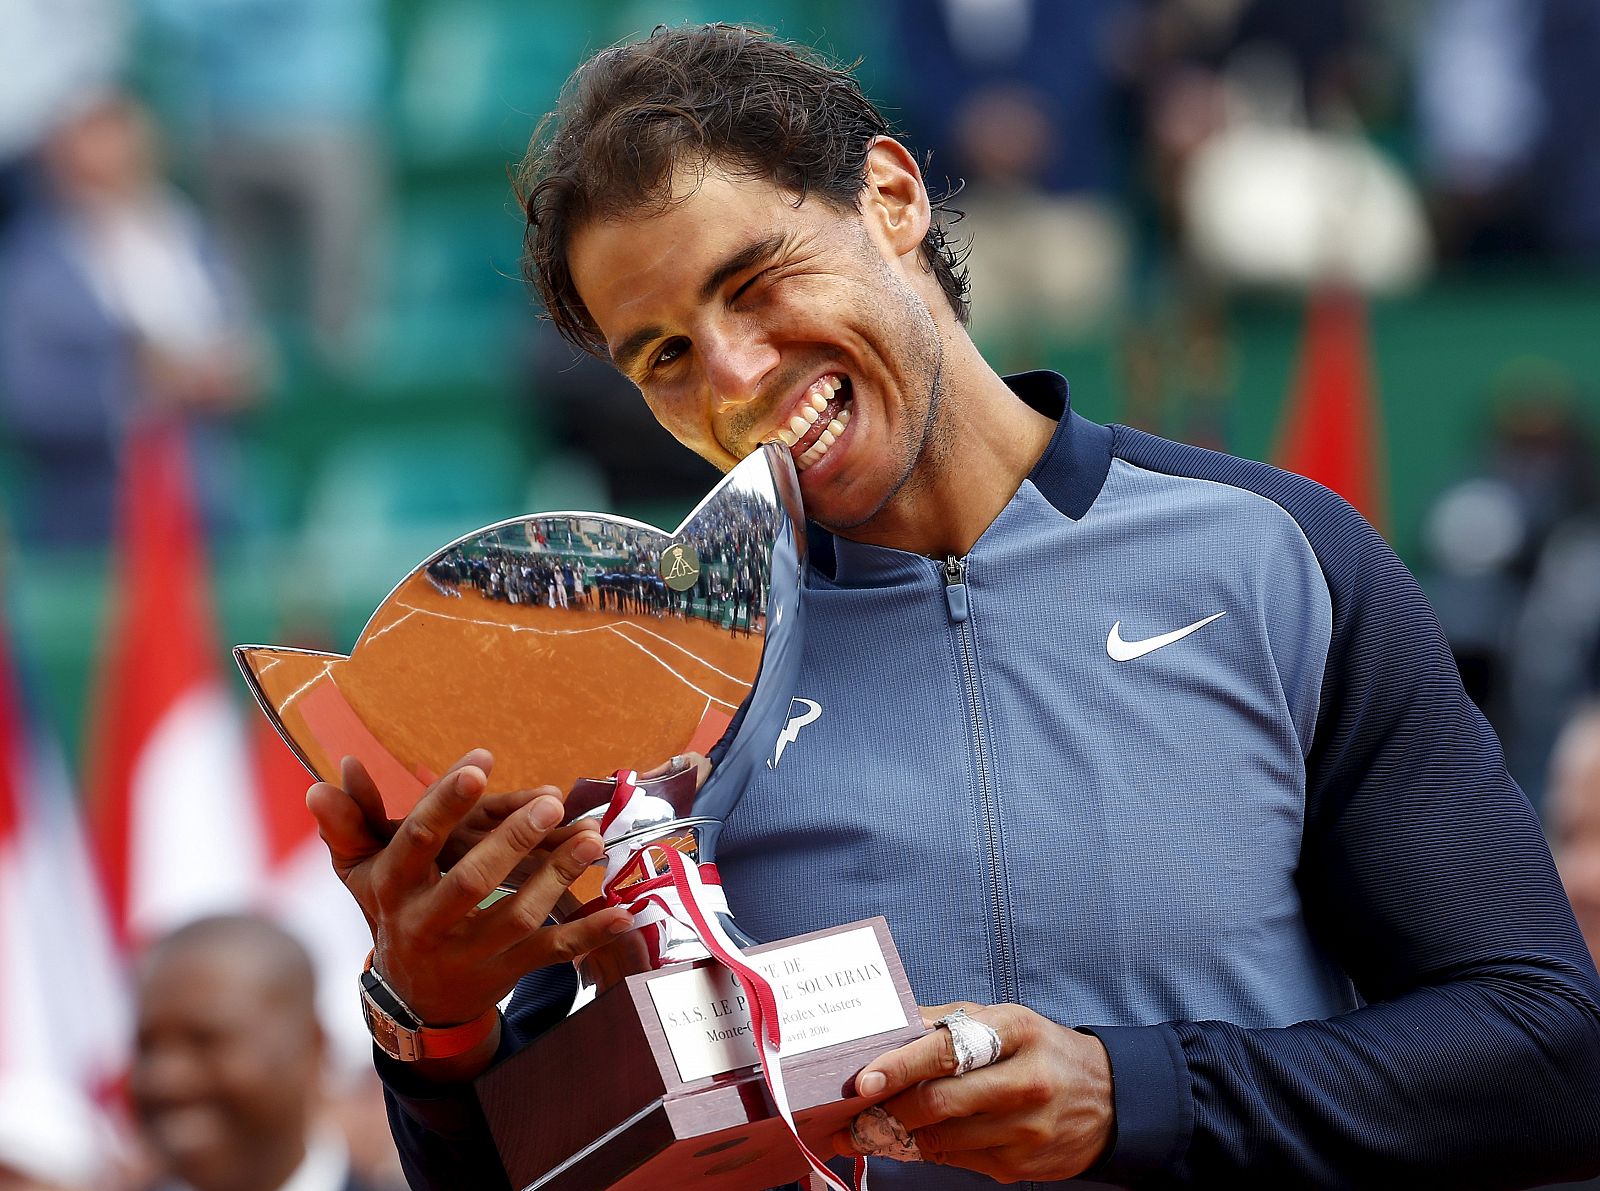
(1126, 651)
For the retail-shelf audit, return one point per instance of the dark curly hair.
(755, 105)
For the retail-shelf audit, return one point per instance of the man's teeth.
(808, 415)
(829, 436)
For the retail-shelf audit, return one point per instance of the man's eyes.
(668, 352)
(740, 292)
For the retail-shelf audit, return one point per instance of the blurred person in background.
(1481, 114)
(52, 52)
(1573, 814)
(228, 1067)
(1190, 53)
(1514, 556)
(1262, 178)
(1023, 112)
(1507, 550)
(1200, 64)
(1553, 643)
(1507, 91)
(115, 304)
(286, 101)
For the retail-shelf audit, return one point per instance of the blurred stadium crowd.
(263, 348)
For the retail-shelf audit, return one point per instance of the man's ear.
(895, 201)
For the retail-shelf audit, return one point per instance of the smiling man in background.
(1225, 856)
(226, 1080)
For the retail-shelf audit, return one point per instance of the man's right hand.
(447, 959)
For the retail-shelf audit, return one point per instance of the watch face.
(392, 1038)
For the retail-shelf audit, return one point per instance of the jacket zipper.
(956, 601)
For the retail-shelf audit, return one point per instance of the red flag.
(63, 1010)
(194, 814)
(1331, 430)
(281, 782)
(175, 816)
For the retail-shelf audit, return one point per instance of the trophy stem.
(636, 873)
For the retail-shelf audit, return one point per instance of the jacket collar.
(1070, 474)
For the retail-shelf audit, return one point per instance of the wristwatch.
(402, 1035)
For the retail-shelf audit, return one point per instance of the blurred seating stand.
(386, 500)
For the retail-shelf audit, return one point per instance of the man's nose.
(737, 359)
(162, 1075)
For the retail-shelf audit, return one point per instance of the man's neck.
(986, 441)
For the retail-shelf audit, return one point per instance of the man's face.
(744, 318)
(224, 1070)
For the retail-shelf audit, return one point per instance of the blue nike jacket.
(1179, 755)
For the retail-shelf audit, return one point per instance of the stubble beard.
(924, 448)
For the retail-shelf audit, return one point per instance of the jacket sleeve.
(1474, 1060)
(439, 1130)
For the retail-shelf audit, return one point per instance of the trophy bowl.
(572, 645)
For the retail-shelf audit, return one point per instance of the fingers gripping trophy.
(571, 839)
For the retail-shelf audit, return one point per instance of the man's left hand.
(1041, 1112)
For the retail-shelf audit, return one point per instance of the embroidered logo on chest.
(801, 713)
(1125, 651)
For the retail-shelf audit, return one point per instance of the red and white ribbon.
(691, 896)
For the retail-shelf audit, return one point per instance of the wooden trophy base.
(601, 1100)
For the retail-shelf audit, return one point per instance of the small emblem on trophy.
(680, 567)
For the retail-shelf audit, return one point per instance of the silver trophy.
(574, 645)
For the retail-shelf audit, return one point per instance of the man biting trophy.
(1153, 760)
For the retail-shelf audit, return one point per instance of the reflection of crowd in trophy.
(733, 537)
(587, 563)
(513, 576)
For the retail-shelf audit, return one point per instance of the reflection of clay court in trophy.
(570, 645)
